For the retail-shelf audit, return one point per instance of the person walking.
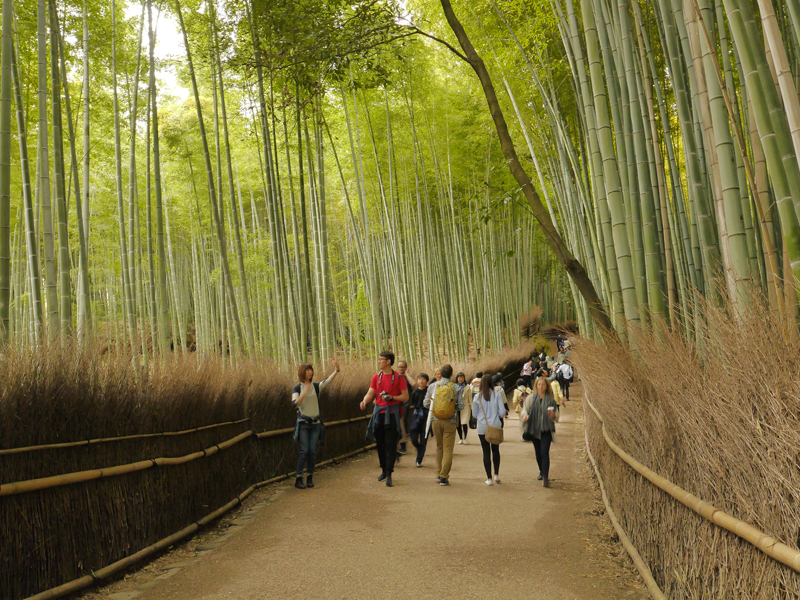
(389, 391)
(419, 417)
(564, 375)
(405, 420)
(500, 388)
(527, 371)
(521, 392)
(488, 407)
(308, 428)
(463, 389)
(540, 413)
(443, 403)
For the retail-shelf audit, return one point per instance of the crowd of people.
(444, 407)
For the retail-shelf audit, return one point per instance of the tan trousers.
(445, 434)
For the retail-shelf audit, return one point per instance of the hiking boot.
(539, 478)
(546, 482)
(383, 476)
(310, 481)
(389, 480)
(298, 483)
(444, 482)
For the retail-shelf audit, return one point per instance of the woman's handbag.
(494, 435)
(473, 422)
(527, 436)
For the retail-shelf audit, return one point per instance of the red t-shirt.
(384, 383)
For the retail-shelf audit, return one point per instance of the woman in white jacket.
(488, 408)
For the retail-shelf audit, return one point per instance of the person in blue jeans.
(307, 431)
(419, 417)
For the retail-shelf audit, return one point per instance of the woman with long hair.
(488, 407)
(307, 430)
(463, 389)
(540, 413)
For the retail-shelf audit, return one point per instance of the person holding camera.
(540, 413)
(390, 392)
(307, 431)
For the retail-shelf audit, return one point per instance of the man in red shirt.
(390, 391)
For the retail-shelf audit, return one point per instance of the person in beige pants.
(444, 430)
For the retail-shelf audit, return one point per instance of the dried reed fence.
(719, 419)
(79, 414)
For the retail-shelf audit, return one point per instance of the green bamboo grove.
(325, 177)
(664, 138)
(295, 203)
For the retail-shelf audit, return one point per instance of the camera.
(386, 397)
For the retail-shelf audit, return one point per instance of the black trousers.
(542, 448)
(565, 389)
(487, 460)
(461, 428)
(420, 441)
(386, 437)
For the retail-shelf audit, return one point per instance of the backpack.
(568, 374)
(444, 401)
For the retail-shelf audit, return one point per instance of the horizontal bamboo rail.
(277, 432)
(31, 485)
(83, 582)
(637, 559)
(116, 439)
(42, 483)
(767, 544)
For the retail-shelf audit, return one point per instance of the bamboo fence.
(129, 561)
(763, 542)
(115, 499)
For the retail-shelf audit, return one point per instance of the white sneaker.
(497, 479)
(465, 441)
(460, 442)
(489, 482)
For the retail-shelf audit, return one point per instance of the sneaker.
(489, 482)
(546, 482)
(389, 480)
(310, 481)
(497, 478)
(460, 442)
(419, 464)
(298, 483)
(383, 476)
(444, 482)
(465, 441)
(539, 478)
(402, 449)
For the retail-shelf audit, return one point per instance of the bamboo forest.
(203, 201)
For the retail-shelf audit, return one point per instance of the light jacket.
(488, 413)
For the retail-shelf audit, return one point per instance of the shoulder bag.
(494, 435)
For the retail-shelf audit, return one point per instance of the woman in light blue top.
(488, 407)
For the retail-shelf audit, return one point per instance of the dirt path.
(352, 537)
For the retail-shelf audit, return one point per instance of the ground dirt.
(352, 537)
